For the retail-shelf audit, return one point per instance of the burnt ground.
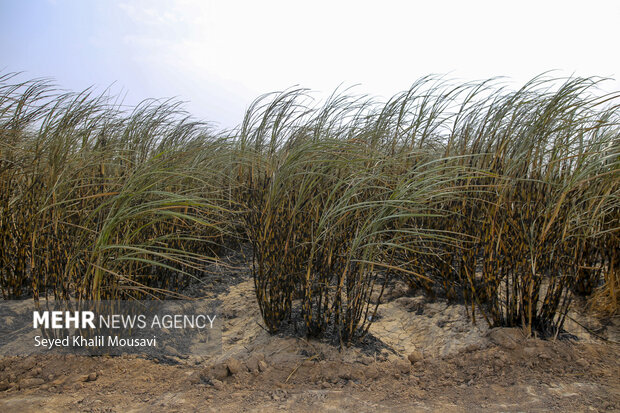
(421, 356)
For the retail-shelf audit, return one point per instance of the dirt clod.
(262, 366)
(372, 372)
(415, 356)
(216, 372)
(234, 366)
(506, 337)
(402, 366)
(30, 382)
(252, 363)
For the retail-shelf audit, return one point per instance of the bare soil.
(421, 356)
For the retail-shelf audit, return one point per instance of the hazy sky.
(220, 55)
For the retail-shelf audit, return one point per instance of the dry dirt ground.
(422, 356)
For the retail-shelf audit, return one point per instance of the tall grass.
(505, 199)
(100, 203)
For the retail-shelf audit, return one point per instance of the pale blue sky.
(220, 55)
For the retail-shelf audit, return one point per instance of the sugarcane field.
(454, 246)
